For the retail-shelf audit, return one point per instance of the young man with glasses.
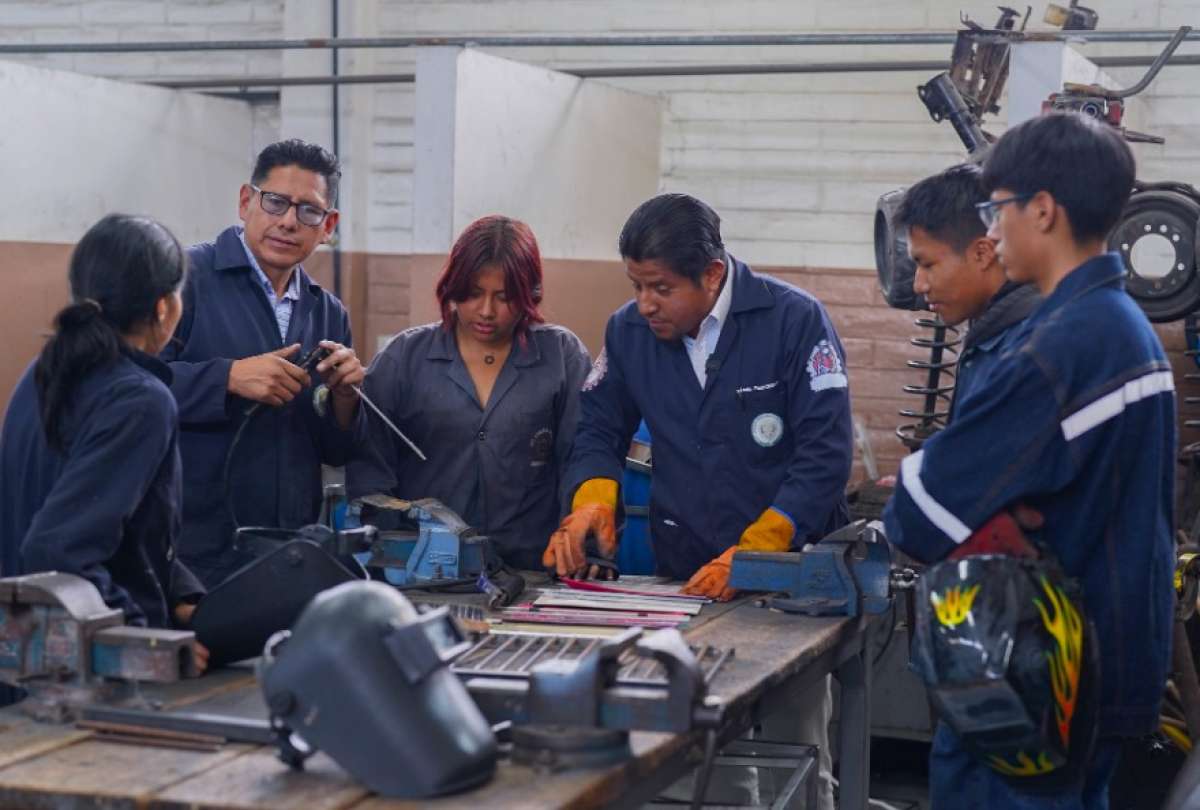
(1077, 422)
(250, 310)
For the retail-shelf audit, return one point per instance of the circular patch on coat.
(767, 429)
(541, 447)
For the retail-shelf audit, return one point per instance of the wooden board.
(260, 780)
(22, 737)
(92, 773)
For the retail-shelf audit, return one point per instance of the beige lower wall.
(387, 293)
(35, 285)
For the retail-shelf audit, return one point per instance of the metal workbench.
(47, 766)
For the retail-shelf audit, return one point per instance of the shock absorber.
(938, 387)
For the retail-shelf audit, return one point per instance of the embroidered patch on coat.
(767, 429)
(599, 370)
(825, 369)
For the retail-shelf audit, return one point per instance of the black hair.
(675, 229)
(1085, 165)
(295, 152)
(944, 205)
(119, 270)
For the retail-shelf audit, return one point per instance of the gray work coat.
(498, 466)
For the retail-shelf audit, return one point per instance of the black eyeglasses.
(989, 211)
(277, 205)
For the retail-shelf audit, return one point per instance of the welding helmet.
(1011, 665)
(364, 677)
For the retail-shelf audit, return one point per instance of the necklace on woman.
(489, 359)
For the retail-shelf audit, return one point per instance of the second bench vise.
(846, 574)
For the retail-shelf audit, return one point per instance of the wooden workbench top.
(47, 766)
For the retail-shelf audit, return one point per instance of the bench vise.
(421, 542)
(61, 643)
(846, 574)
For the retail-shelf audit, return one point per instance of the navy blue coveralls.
(991, 335)
(107, 508)
(276, 470)
(1078, 422)
(771, 428)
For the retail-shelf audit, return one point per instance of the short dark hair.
(295, 152)
(1085, 165)
(675, 229)
(944, 205)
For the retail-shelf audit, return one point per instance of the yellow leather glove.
(594, 512)
(771, 532)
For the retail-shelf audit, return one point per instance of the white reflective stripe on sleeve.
(1112, 404)
(938, 515)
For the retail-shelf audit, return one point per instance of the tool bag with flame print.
(1010, 662)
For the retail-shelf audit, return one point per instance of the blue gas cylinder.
(635, 555)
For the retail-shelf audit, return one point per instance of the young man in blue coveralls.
(959, 273)
(249, 310)
(1077, 422)
(742, 382)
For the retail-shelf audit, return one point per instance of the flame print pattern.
(954, 605)
(1025, 766)
(1064, 623)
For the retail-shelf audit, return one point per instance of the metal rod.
(695, 40)
(336, 145)
(641, 71)
(499, 649)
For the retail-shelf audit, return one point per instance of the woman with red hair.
(490, 394)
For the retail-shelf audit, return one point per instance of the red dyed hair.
(510, 245)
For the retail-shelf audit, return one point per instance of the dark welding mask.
(365, 677)
(1010, 663)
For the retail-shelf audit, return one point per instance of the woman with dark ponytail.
(89, 457)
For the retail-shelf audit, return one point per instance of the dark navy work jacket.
(498, 466)
(107, 507)
(276, 470)
(991, 335)
(1077, 421)
(771, 428)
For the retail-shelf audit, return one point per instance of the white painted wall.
(570, 157)
(79, 147)
(793, 163)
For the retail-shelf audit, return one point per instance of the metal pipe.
(336, 145)
(643, 71)
(754, 40)
(1158, 63)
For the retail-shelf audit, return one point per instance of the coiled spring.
(938, 387)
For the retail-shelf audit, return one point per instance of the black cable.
(888, 641)
(309, 365)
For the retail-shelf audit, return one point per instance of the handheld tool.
(391, 425)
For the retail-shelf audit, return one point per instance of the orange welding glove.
(771, 532)
(593, 512)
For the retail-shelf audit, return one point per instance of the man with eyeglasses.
(250, 310)
(1076, 422)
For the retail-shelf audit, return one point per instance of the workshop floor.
(899, 774)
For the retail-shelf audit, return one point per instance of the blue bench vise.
(846, 574)
(422, 542)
